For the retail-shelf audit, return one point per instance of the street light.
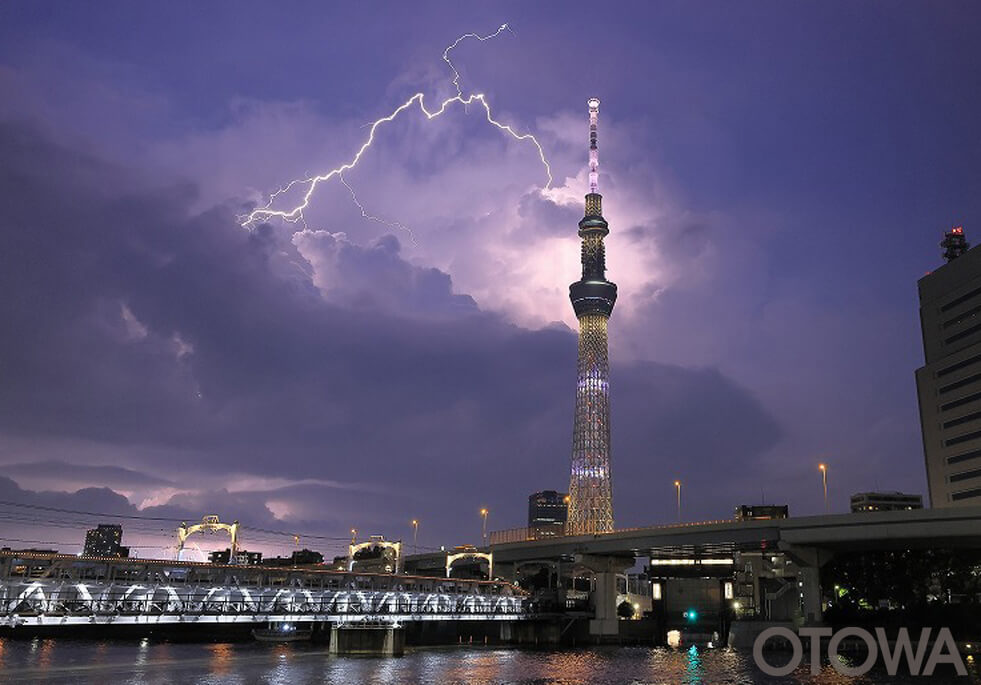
(354, 535)
(483, 515)
(824, 479)
(415, 534)
(677, 485)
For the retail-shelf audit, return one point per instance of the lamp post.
(677, 486)
(824, 480)
(415, 534)
(354, 535)
(483, 515)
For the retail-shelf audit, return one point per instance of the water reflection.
(221, 659)
(77, 661)
(694, 672)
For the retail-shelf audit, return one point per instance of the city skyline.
(773, 214)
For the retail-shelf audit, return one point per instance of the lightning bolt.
(309, 185)
(370, 217)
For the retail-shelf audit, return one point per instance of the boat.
(283, 632)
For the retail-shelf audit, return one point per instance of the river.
(164, 663)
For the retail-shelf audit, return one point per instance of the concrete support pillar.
(810, 578)
(605, 622)
(367, 641)
(604, 601)
(809, 561)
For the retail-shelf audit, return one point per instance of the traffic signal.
(691, 615)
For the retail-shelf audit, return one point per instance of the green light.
(691, 615)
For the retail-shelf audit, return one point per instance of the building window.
(963, 334)
(960, 384)
(966, 456)
(963, 316)
(962, 438)
(959, 365)
(967, 418)
(967, 399)
(966, 494)
(960, 300)
(965, 475)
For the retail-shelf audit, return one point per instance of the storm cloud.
(203, 349)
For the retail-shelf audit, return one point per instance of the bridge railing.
(498, 537)
(51, 599)
(530, 534)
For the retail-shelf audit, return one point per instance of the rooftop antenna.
(954, 243)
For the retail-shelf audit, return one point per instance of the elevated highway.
(808, 542)
(958, 527)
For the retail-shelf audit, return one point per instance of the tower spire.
(593, 297)
(593, 104)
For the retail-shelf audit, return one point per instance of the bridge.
(56, 592)
(734, 549)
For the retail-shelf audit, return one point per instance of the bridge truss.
(56, 590)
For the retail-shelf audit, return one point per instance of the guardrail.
(531, 534)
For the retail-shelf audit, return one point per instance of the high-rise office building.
(547, 513)
(949, 383)
(593, 297)
(104, 541)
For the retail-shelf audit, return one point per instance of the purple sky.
(776, 176)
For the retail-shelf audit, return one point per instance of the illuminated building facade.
(547, 513)
(593, 297)
(104, 541)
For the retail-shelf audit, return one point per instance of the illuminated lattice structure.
(593, 297)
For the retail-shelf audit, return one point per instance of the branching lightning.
(309, 185)
(371, 217)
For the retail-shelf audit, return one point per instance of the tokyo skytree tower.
(593, 297)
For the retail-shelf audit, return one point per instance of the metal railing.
(29, 601)
(531, 534)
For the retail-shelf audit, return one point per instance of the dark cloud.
(376, 277)
(541, 214)
(137, 322)
(112, 476)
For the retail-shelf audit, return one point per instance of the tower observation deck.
(593, 297)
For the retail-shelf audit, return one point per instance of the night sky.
(776, 176)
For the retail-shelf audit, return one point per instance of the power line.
(54, 542)
(135, 517)
(87, 513)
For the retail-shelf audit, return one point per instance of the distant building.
(761, 512)
(242, 557)
(30, 550)
(547, 513)
(103, 541)
(885, 501)
(300, 557)
(949, 383)
(375, 559)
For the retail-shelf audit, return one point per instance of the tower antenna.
(593, 104)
